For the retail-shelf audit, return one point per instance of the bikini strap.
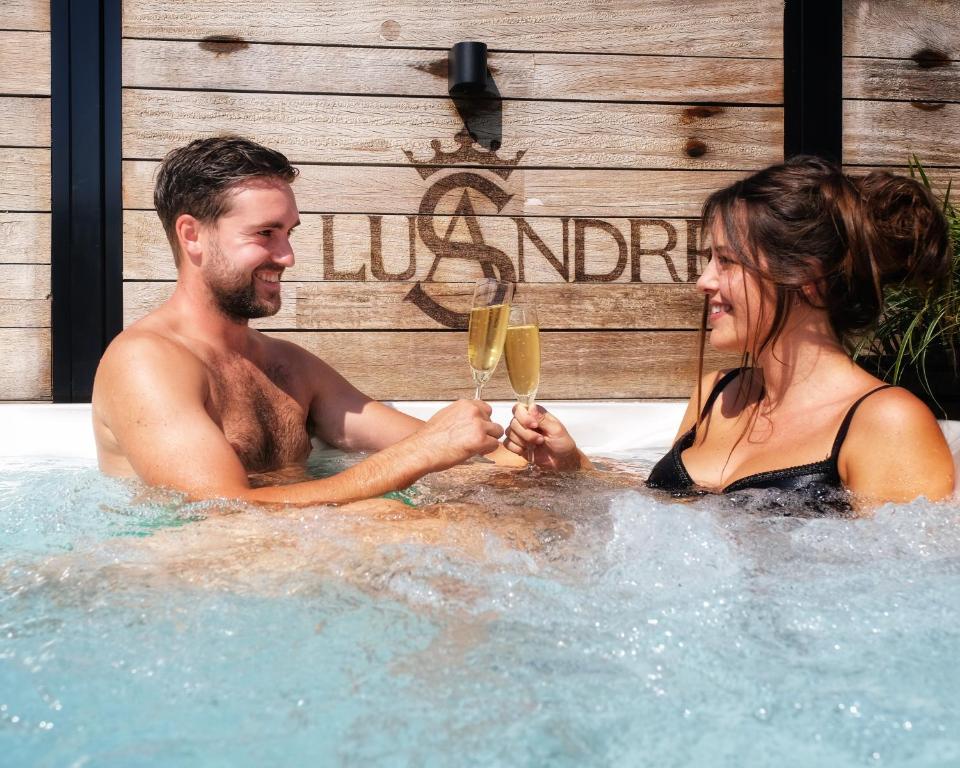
(717, 389)
(845, 424)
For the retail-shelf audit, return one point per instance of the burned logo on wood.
(474, 178)
(492, 261)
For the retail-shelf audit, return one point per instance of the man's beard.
(234, 296)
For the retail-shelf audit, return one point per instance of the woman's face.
(737, 309)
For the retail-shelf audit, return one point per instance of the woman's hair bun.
(910, 238)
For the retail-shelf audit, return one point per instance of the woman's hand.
(552, 445)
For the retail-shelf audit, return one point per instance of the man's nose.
(284, 255)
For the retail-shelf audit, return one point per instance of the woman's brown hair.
(804, 222)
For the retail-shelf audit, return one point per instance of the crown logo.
(465, 153)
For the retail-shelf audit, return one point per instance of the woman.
(798, 258)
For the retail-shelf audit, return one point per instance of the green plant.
(918, 335)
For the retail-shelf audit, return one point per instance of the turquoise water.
(508, 620)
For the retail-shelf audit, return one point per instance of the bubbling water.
(508, 618)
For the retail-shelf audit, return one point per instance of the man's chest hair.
(263, 422)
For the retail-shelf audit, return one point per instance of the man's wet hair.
(197, 178)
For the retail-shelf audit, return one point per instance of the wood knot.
(928, 106)
(390, 30)
(223, 44)
(928, 58)
(695, 148)
(690, 114)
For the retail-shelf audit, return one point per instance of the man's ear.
(188, 229)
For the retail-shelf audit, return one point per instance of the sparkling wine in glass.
(522, 350)
(488, 329)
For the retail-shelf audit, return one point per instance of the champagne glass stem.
(528, 402)
(479, 379)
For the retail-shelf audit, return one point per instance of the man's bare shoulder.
(140, 344)
(140, 358)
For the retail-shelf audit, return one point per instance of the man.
(190, 397)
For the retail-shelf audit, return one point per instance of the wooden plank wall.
(25, 200)
(901, 86)
(616, 120)
(621, 117)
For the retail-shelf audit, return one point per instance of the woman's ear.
(188, 229)
(812, 293)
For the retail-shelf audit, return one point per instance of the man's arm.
(151, 394)
(343, 416)
(346, 418)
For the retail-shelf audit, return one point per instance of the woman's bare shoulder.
(895, 449)
(895, 409)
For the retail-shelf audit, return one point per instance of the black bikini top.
(671, 475)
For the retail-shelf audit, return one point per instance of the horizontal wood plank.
(889, 132)
(391, 248)
(939, 178)
(141, 298)
(24, 313)
(901, 80)
(388, 306)
(25, 179)
(24, 121)
(400, 190)
(25, 374)
(420, 72)
(25, 63)
(25, 238)
(356, 129)
(25, 14)
(24, 281)
(397, 365)
(708, 27)
(897, 29)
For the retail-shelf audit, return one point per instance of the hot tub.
(488, 618)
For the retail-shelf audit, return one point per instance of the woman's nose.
(707, 282)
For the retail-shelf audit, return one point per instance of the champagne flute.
(522, 350)
(488, 328)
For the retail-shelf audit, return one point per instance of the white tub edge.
(55, 431)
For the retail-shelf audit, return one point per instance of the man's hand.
(455, 433)
(552, 445)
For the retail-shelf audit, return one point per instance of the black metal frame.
(813, 78)
(87, 281)
(86, 200)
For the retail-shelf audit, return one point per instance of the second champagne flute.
(488, 329)
(522, 350)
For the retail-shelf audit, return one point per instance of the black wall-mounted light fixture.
(467, 71)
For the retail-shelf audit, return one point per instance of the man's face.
(247, 248)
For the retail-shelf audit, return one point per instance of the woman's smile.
(719, 309)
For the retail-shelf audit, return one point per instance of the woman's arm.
(895, 451)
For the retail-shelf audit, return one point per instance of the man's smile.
(269, 276)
